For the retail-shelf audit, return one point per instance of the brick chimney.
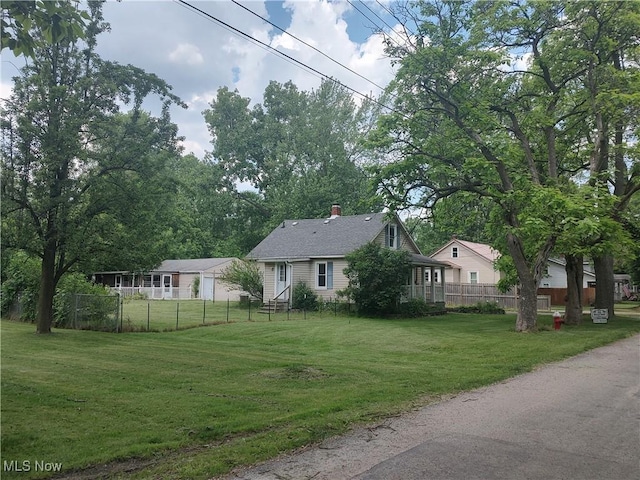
(336, 211)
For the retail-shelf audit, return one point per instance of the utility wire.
(380, 18)
(282, 54)
(395, 16)
(308, 45)
(234, 30)
(374, 24)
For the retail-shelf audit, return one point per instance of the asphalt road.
(577, 419)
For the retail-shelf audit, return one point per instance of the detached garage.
(196, 278)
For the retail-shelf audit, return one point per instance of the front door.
(282, 281)
(166, 287)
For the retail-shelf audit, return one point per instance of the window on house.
(324, 275)
(473, 277)
(147, 281)
(156, 281)
(393, 236)
(454, 252)
(436, 276)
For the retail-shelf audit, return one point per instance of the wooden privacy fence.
(472, 293)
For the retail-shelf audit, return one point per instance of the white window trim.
(456, 251)
(477, 277)
(396, 236)
(326, 273)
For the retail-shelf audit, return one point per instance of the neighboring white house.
(469, 262)
(472, 262)
(175, 279)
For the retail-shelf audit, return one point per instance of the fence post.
(269, 310)
(148, 314)
(177, 313)
(75, 312)
(121, 302)
(227, 310)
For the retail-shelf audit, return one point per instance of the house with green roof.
(313, 251)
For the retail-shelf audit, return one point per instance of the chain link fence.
(89, 312)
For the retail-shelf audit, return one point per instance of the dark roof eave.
(422, 261)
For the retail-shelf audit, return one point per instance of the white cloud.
(197, 56)
(188, 54)
(6, 89)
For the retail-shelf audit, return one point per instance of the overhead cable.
(374, 23)
(380, 18)
(282, 54)
(308, 45)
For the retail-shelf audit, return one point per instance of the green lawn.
(195, 403)
(166, 315)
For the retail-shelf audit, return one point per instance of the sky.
(197, 56)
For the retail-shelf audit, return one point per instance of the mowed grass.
(167, 315)
(195, 403)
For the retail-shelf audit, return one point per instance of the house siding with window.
(315, 250)
(471, 262)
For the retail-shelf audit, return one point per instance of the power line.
(282, 54)
(380, 18)
(374, 23)
(308, 45)
(234, 30)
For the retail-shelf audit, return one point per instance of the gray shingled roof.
(314, 238)
(190, 265)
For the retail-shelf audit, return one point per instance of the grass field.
(195, 403)
(167, 315)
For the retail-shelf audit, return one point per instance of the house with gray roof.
(195, 278)
(313, 251)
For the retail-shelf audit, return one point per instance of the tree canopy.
(495, 99)
(299, 151)
(80, 179)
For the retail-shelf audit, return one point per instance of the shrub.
(23, 283)
(76, 283)
(480, 307)
(244, 275)
(20, 290)
(304, 298)
(417, 307)
(377, 278)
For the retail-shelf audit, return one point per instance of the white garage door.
(207, 288)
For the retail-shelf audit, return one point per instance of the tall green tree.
(464, 215)
(207, 219)
(299, 151)
(469, 117)
(56, 20)
(80, 180)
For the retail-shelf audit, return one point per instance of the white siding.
(468, 261)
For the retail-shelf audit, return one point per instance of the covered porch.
(426, 281)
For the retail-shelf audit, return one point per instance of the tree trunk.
(604, 283)
(44, 315)
(527, 306)
(529, 276)
(573, 309)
